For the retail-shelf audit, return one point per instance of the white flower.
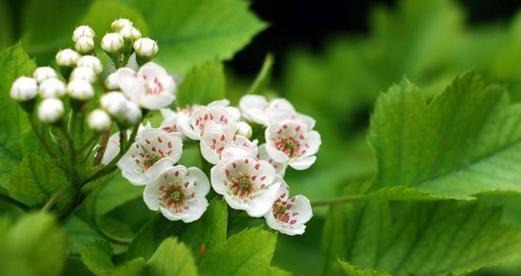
(280, 168)
(130, 33)
(112, 149)
(50, 110)
(289, 215)
(44, 73)
(175, 122)
(84, 44)
(52, 88)
(120, 23)
(146, 47)
(179, 193)
(82, 31)
(112, 43)
(153, 151)
(80, 90)
(244, 129)
(83, 73)
(257, 109)
(24, 89)
(151, 87)
(91, 61)
(246, 184)
(111, 82)
(67, 58)
(291, 142)
(99, 120)
(210, 118)
(216, 146)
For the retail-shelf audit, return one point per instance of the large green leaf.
(97, 256)
(202, 85)
(33, 246)
(246, 253)
(191, 32)
(172, 258)
(466, 141)
(420, 238)
(351, 270)
(6, 28)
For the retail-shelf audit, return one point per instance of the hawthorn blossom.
(112, 148)
(246, 184)
(257, 109)
(152, 152)
(280, 168)
(289, 215)
(214, 117)
(291, 142)
(179, 193)
(216, 146)
(176, 121)
(150, 87)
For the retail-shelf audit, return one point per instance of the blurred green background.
(331, 62)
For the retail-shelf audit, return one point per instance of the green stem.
(14, 202)
(41, 137)
(52, 201)
(113, 238)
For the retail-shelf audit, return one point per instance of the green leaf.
(33, 246)
(275, 271)
(466, 141)
(14, 62)
(97, 256)
(246, 253)
(150, 236)
(172, 258)
(36, 179)
(193, 32)
(422, 238)
(351, 270)
(6, 28)
(79, 233)
(202, 85)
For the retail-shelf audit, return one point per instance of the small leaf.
(202, 85)
(171, 258)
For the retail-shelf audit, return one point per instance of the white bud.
(82, 31)
(91, 61)
(130, 33)
(24, 89)
(244, 129)
(133, 114)
(50, 110)
(52, 88)
(112, 102)
(99, 120)
(119, 24)
(146, 47)
(125, 112)
(112, 43)
(83, 73)
(80, 90)
(84, 44)
(111, 82)
(43, 73)
(67, 57)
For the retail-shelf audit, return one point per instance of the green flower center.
(176, 196)
(244, 183)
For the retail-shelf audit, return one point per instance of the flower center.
(242, 186)
(150, 161)
(173, 197)
(176, 196)
(288, 145)
(244, 183)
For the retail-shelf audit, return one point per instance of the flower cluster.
(117, 98)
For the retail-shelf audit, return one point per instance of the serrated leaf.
(97, 256)
(202, 85)
(466, 141)
(33, 246)
(246, 253)
(420, 238)
(171, 258)
(350, 270)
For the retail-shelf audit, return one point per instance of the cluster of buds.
(117, 97)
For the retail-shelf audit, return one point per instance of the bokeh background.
(332, 59)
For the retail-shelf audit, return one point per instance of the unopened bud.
(99, 120)
(121, 23)
(91, 61)
(84, 73)
(111, 82)
(84, 45)
(67, 58)
(52, 88)
(43, 73)
(145, 47)
(24, 89)
(130, 33)
(112, 102)
(113, 43)
(80, 90)
(244, 129)
(50, 110)
(82, 31)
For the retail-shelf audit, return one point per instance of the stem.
(14, 202)
(113, 238)
(104, 140)
(41, 137)
(52, 201)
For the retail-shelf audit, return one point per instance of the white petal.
(157, 101)
(151, 195)
(168, 214)
(303, 207)
(151, 69)
(127, 79)
(302, 163)
(252, 107)
(314, 141)
(263, 202)
(219, 103)
(196, 209)
(112, 149)
(275, 154)
(217, 178)
(197, 177)
(211, 143)
(234, 112)
(280, 168)
(158, 168)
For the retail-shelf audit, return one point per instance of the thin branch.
(14, 202)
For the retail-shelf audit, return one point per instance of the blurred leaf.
(79, 233)
(6, 28)
(193, 32)
(263, 78)
(202, 85)
(245, 253)
(14, 62)
(275, 271)
(172, 258)
(149, 237)
(419, 238)
(114, 193)
(465, 142)
(33, 246)
(97, 256)
(350, 270)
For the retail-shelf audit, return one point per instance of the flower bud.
(84, 44)
(132, 115)
(145, 47)
(52, 88)
(119, 24)
(83, 73)
(50, 110)
(91, 61)
(99, 120)
(244, 129)
(111, 82)
(43, 73)
(111, 102)
(67, 58)
(24, 89)
(80, 90)
(112, 43)
(130, 33)
(82, 31)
